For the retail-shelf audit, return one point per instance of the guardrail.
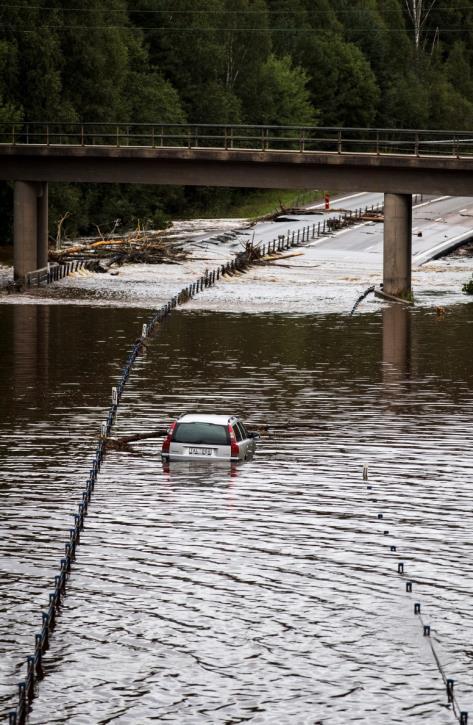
(55, 272)
(304, 139)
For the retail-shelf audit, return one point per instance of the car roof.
(206, 418)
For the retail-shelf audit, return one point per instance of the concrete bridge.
(395, 162)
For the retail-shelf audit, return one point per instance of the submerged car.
(200, 436)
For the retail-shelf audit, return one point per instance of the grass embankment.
(261, 203)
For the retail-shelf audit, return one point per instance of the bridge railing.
(304, 139)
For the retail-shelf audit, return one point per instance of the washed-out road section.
(327, 275)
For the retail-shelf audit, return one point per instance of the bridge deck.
(206, 166)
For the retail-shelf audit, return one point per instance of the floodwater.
(260, 593)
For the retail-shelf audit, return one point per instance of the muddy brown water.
(264, 592)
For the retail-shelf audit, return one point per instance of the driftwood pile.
(348, 220)
(137, 247)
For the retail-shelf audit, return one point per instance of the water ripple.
(264, 592)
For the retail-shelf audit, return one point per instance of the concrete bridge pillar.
(42, 226)
(30, 227)
(397, 253)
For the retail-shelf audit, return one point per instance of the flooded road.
(265, 592)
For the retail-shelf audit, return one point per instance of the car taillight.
(234, 447)
(167, 440)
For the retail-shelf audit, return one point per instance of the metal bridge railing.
(304, 139)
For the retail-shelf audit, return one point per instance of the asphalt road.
(439, 223)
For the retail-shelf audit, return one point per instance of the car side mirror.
(253, 435)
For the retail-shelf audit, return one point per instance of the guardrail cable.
(452, 700)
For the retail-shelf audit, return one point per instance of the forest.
(386, 63)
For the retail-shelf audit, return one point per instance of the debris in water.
(139, 246)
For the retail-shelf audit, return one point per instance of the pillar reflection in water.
(31, 352)
(396, 343)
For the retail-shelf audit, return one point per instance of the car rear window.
(206, 433)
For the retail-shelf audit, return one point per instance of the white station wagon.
(208, 437)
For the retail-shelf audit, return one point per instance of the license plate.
(200, 451)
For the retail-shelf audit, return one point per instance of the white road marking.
(318, 241)
(431, 201)
(428, 252)
(355, 227)
(344, 198)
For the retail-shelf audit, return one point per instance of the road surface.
(439, 223)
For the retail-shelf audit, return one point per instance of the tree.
(406, 102)
(418, 12)
(30, 37)
(95, 59)
(246, 44)
(10, 111)
(341, 82)
(149, 98)
(458, 69)
(283, 97)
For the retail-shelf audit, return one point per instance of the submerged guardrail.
(452, 700)
(55, 272)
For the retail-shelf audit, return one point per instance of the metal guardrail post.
(339, 142)
(416, 145)
(377, 143)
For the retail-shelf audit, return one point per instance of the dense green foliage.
(327, 62)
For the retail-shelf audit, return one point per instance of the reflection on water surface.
(263, 592)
